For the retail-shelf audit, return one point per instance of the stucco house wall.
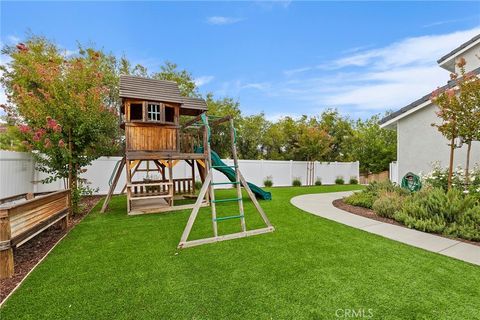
(420, 144)
(473, 60)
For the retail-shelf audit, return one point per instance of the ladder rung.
(220, 183)
(227, 200)
(229, 217)
(224, 166)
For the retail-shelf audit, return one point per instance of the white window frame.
(156, 113)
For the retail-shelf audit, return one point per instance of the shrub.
(450, 213)
(339, 180)
(268, 182)
(296, 182)
(387, 204)
(353, 180)
(198, 185)
(361, 199)
(372, 192)
(318, 182)
(376, 188)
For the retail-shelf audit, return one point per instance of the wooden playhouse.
(163, 128)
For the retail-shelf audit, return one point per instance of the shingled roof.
(149, 89)
(423, 99)
(454, 51)
(194, 103)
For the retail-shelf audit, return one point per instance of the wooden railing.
(19, 222)
(180, 186)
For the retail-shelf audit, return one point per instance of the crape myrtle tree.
(459, 111)
(468, 117)
(448, 108)
(64, 106)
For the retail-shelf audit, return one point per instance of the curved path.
(321, 205)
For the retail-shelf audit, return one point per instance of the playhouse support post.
(6, 252)
(129, 183)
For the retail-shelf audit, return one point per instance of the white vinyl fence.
(393, 172)
(17, 173)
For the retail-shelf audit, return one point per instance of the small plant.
(388, 204)
(268, 182)
(296, 182)
(353, 180)
(318, 182)
(361, 199)
(339, 180)
(198, 185)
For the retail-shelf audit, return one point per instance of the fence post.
(358, 170)
(262, 170)
(291, 172)
(6, 252)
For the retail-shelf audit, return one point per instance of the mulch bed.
(368, 213)
(28, 255)
(364, 212)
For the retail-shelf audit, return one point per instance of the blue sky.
(283, 58)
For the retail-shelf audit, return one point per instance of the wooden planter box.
(24, 216)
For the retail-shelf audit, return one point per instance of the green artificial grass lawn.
(113, 266)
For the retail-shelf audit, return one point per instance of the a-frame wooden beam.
(114, 185)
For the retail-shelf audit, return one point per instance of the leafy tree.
(340, 130)
(274, 141)
(217, 108)
(313, 141)
(184, 79)
(373, 146)
(64, 106)
(251, 132)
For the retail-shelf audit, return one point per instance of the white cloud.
(222, 20)
(373, 80)
(415, 50)
(203, 80)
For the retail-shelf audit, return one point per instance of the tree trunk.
(72, 177)
(450, 168)
(467, 166)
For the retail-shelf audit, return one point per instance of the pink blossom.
(24, 128)
(36, 137)
(51, 123)
(58, 128)
(41, 132)
(61, 143)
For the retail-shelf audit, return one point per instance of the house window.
(153, 112)
(136, 111)
(169, 114)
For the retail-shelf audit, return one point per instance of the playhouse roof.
(149, 89)
(194, 103)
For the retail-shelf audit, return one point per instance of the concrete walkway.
(321, 205)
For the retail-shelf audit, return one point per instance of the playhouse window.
(153, 112)
(169, 114)
(136, 111)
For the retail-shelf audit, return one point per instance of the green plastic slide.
(219, 165)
